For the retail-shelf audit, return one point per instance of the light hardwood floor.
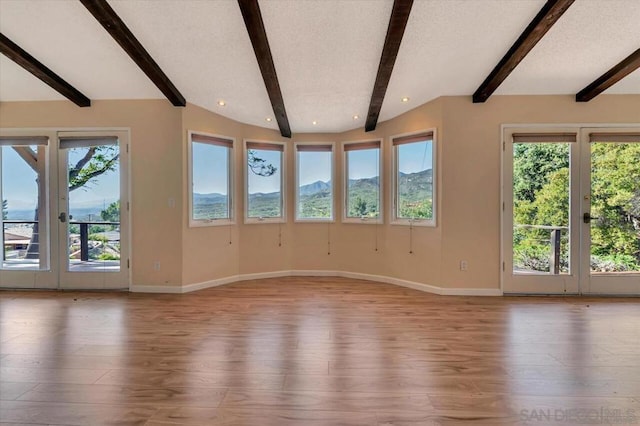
(316, 351)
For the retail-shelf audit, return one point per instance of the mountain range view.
(315, 198)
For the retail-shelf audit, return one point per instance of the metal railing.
(84, 233)
(555, 237)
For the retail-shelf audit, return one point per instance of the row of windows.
(211, 180)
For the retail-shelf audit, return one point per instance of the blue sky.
(266, 184)
(210, 163)
(415, 157)
(363, 163)
(19, 186)
(314, 166)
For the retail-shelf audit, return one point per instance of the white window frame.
(283, 184)
(330, 219)
(194, 223)
(395, 220)
(345, 183)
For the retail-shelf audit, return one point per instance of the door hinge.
(128, 207)
(503, 206)
(504, 145)
(128, 264)
(127, 148)
(502, 266)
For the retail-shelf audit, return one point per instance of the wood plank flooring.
(316, 351)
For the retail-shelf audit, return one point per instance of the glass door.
(540, 237)
(93, 210)
(611, 211)
(571, 212)
(24, 171)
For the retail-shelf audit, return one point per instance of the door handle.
(63, 217)
(587, 218)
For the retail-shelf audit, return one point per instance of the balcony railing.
(84, 227)
(555, 235)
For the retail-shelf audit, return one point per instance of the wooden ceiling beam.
(37, 68)
(543, 21)
(255, 27)
(111, 22)
(611, 77)
(395, 32)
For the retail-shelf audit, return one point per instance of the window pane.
(414, 181)
(314, 185)
(363, 188)
(541, 207)
(210, 177)
(264, 183)
(93, 228)
(22, 208)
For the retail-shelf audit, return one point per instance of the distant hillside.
(210, 206)
(416, 185)
(314, 187)
(315, 198)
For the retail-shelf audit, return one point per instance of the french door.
(571, 210)
(65, 210)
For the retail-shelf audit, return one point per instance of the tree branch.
(73, 173)
(90, 175)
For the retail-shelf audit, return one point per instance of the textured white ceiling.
(326, 53)
(590, 38)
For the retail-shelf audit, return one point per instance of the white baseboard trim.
(320, 273)
(156, 289)
(471, 292)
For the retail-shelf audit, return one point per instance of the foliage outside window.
(414, 179)
(362, 181)
(615, 203)
(540, 204)
(211, 183)
(264, 182)
(314, 192)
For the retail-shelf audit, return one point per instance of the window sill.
(314, 220)
(210, 222)
(363, 221)
(415, 222)
(264, 220)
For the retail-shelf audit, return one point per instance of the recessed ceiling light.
(405, 99)
(221, 102)
(314, 122)
(355, 117)
(268, 119)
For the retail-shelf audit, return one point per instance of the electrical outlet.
(156, 265)
(464, 265)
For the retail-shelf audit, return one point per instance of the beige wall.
(471, 150)
(468, 190)
(155, 171)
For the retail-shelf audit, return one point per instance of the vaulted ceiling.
(326, 53)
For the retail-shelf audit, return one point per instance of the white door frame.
(50, 276)
(579, 280)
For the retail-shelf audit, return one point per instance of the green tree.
(615, 200)
(532, 165)
(359, 207)
(111, 213)
(417, 210)
(540, 197)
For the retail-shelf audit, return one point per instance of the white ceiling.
(326, 53)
